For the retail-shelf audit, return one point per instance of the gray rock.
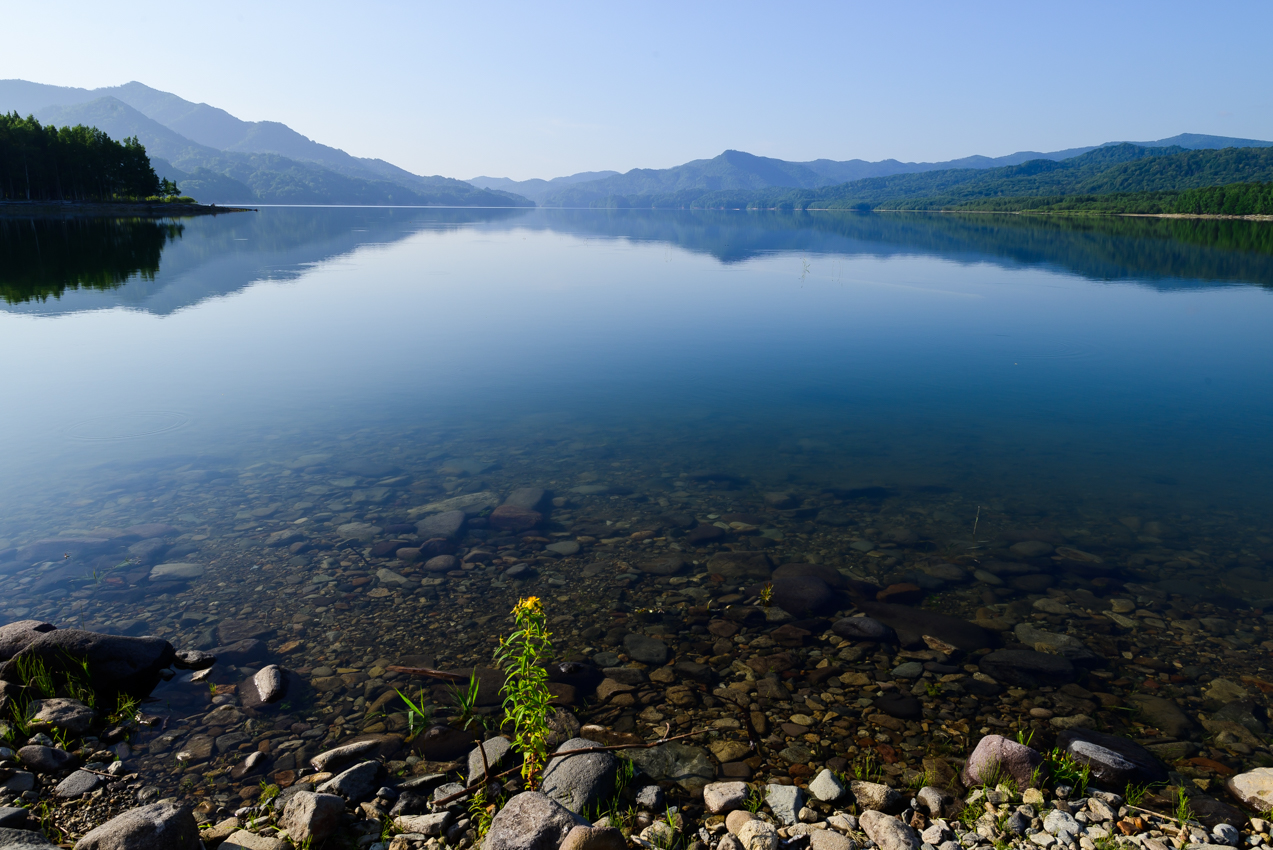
(176, 571)
(1253, 789)
(1058, 822)
(935, 800)
(785, 801)
(159, 826)
(1115, 762)
(912, 624)
(669, 565)
(47, 759)
(387, 576)
(877, 797)
(827, 787)
(565, 548)
(1017, 823)
(19, 782)
(498, 755)
(446, 524)
(11, 839)
(593, 838)
(69, 714)
(689, 767)
(441, 564)
(1162, 713)
(804, 596)
(1226, 834)
(862, 628)
(995, 755)
(357, 784)
(1058, 644)
(1027, 668)
(244, 840)
(908, 670)
(723, 797)
(650, 798)
(757, 835)
(888, 832)
(116, 664)
(15, 637)
(531, 821)
(582, 780)
(431, 825)
(335, 761)
(193, 659)
(14, 818)
(829, 839)
(78, 784)
(527, 498)
(148, 552)
(268, 685)
(312, 817)
(645, 649)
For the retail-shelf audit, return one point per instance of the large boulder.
(995, 756)
(15, 637)
(1027, 668)
(1115, 762)
(116, 664)
(582, 780)
(531, 821)
(159, 826)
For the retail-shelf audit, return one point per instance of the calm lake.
(253, 427)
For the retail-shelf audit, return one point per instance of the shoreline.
(72, 209)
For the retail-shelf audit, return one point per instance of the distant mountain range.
(218, 158)
(737, 171)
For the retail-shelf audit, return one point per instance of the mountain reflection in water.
(214, 256)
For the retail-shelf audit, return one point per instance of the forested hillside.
(79, 163)
(1124, 169)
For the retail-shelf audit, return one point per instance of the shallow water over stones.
(932, 581)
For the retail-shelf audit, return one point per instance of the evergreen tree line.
(77, 163)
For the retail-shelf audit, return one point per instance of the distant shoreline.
(141, 208)
(1070, 213)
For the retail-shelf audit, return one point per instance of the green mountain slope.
(1123, 168)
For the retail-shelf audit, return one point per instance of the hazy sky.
(544, 89)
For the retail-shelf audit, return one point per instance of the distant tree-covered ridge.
(79, 163)
(1230, 199)
(1106, 179)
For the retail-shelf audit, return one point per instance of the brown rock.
(514, 519)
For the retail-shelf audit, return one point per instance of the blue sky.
(544, 89)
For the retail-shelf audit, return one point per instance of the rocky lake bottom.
(790, 634)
